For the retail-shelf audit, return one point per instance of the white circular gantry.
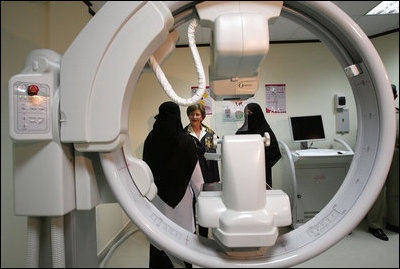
(134, 22)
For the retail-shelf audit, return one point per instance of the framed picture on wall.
(233, 111)
(275, 98)
(206, 100)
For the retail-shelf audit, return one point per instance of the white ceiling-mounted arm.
(240, 44)
(99, 72)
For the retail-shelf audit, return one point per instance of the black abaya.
(255, 123)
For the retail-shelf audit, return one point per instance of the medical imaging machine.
(314, 174)
(66, 109)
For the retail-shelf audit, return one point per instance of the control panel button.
(33, 90)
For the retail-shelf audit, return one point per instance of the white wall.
(308, 70)
(312, 77)
(387, 47)
(310, 73)
(16, 43)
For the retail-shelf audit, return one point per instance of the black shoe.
(378, 233)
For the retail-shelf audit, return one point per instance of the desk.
(316, 175)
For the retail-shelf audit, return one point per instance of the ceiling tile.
(356, 7)
(373, 25)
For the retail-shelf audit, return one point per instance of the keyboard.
(318, 152)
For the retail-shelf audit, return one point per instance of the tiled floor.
(358, 250)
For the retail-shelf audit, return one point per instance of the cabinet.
(315, 175)
(318, 179)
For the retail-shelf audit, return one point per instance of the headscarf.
(170, 154)
(255, 123)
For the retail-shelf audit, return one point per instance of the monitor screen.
(307, 128)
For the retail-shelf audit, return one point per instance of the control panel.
(44, 174)
(31, 110)
(33, 98)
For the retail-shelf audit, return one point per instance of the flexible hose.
(199, 68)
(33, 242)
(57, 242)
(112, 249)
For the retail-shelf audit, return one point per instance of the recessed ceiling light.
(385, 7)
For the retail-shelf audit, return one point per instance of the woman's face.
(248, 111)
(195, 117)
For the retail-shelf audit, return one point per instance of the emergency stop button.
(33, 90)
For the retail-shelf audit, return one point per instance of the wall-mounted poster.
(206, 100)
(275, 98)
(234, 110)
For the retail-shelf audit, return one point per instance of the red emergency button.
(33, 90)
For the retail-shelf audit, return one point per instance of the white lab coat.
(183, 214)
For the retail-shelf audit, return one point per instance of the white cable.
(32, 256)
(199, 68)
(119, 242)
(57, 241)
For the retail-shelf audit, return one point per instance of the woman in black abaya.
(171, 156)
(255, 123)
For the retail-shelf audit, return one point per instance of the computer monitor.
(306, 129)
